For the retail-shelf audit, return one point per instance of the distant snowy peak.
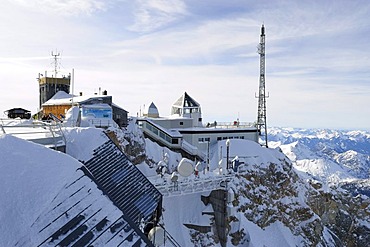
(297, 151)
(298, 133)
(326, 155)
(315, 165)
(357, 164)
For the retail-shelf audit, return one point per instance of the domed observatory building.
(152, 111)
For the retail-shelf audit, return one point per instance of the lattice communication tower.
(261, 118)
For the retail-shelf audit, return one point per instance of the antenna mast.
(261, 118)
(55, 62)
(55, 68)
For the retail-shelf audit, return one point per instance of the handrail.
(169, 237)
(230, 125)
(30, 129)
(186, 187)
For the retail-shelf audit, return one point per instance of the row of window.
(162, 134)
(207, 139)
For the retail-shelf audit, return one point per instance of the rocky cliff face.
(274, 192)
(344, 210)
(271, 191)
(319, 215)
(131, 141)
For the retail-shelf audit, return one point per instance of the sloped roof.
(123, 183)
(53, 201)
(186, 101)
(67, 99)
(81, 215)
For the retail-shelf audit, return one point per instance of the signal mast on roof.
(56, 55)
(261, 117)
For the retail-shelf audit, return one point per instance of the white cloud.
(154, 14)
(64, 7)
(188, 45)
(316, 61)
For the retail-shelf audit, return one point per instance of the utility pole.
(261, 117)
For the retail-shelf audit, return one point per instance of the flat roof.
(216, 130)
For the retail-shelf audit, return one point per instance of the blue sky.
(317, 56)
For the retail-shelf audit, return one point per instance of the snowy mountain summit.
(294, 193)
(305, 191)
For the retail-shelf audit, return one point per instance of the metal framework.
(261, 117)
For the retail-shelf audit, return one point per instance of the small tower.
(152, 111)
(48, 86)
(261, 117)
(187, 107)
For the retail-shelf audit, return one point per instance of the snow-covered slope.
(281, 197)
(48, 198)
(29, 182)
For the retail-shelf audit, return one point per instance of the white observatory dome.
(185, 167)
(152, 111)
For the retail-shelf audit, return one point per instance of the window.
(96, 112)
(242, 137)
(162, 135)
(181, 123)
(175, 141)
(201, 139)
(200, 119)
(219, 138)
(207, 139)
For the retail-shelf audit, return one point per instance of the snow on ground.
(247, 151)
(82, 140)
(274, 235)
(184, 209)
(306, 161)
(31, 176)
(156, 153)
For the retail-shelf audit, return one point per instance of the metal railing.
(101, 123)
(193, 150)
(230, 125)
(46, 133)
(193, 185)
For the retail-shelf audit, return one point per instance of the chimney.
(105, 92)
(80, 93)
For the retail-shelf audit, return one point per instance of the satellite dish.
(156, 236)
(185, 167)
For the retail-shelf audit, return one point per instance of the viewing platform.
(49, 134)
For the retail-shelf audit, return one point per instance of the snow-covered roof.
(48, 199)
(61, 95)
(66, 99)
